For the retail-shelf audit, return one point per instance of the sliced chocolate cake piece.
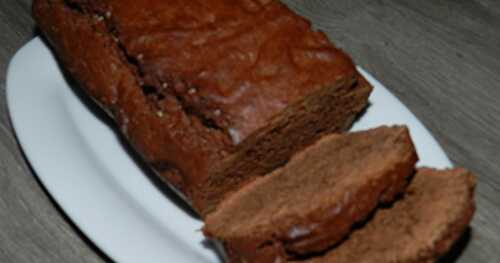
(312, 202)
(421, 227)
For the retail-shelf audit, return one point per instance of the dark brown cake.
(311, 203)
(434, 213)
(211, 93)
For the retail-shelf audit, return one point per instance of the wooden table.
(440, 57)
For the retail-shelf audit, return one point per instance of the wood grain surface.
(440, 57)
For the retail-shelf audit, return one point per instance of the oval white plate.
(82, 163)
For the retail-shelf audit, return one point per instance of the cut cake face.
(311, 203)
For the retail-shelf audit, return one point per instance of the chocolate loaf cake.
(311, 203)
(421, 227)
(213, 93)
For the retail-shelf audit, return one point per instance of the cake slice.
(311, 203)
(421, 227)
(213, 93)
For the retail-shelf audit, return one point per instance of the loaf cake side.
(210, 95)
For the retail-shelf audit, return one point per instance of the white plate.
(83, 165)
